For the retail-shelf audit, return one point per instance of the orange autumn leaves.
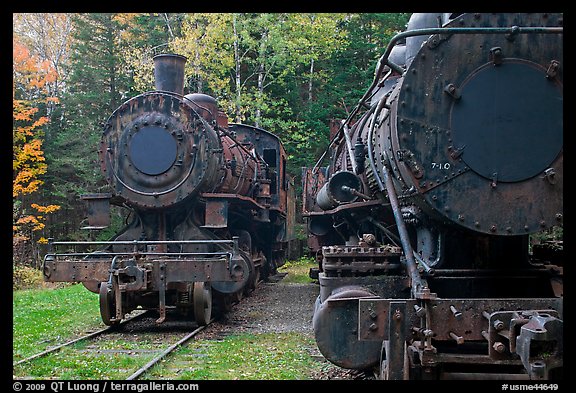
(29, 91)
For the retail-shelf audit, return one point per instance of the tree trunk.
(260, 93)
(310, 80)
(237, 71)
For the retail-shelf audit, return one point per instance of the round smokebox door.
(153, 150)
(508, 122)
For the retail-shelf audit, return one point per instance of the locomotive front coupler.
(125, 276)
(129, 275)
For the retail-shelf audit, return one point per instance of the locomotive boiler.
(424, 219)
(210, 207)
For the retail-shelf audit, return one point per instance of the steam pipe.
(417, 284)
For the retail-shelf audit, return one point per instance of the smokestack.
(169, 72)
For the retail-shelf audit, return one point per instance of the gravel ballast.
(277, 306)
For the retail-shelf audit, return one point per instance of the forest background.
(289, 73)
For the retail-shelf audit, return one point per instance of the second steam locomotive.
(423, 218)
(210, 207)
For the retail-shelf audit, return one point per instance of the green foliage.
(206, 43)
(300, 231)
(116, 358)
(25, 277)
(117, 222)
(291, 73)
(267, 356)
(554, 233)
(93, 90)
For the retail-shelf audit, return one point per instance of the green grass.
(298, 270)
(69, 365)
(115, 358)
(43, 318)
(266, 356)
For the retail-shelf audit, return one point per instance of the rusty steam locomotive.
(210, 207)
(422, 221)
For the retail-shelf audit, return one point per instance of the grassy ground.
(265, 356)
(298, 270)
(46, 317)
(42, 318)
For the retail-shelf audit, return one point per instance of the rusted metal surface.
(528, 336)
(469, 325)
(382, 286)
(138, 268)
(335, 325)
(268, 147)
(216, 213)
(188, 178)
(190, 160)
(241, 168)
(98, 210)
(440, 153)
(244, 201)
(359, 260)
(169, 72)
(394, 350)
(124, 279)
(312, 182)
(541, 335)
(459, 169)
(76, 270)
(338, 190)
(203, 104)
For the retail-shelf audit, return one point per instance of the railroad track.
(142, 370)
(122, 328)
(78, 339)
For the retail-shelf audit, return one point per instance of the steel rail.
(86, 337)
(165, 353)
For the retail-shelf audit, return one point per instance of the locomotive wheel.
(107, 305)
(202, 298)
(258, 269)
